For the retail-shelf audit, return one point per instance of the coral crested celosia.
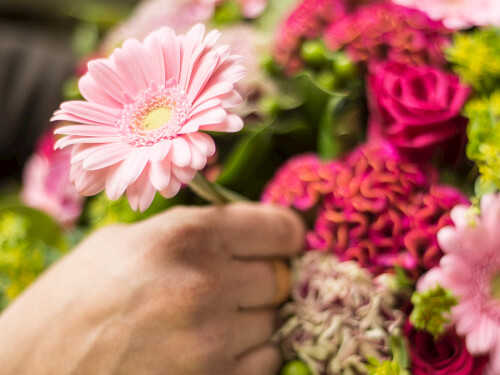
(339, 318)
(307, 21)
(139, 128)
(387, 31)
(372, 207)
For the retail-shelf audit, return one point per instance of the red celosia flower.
(307, 21)
(388, 31)
(372, 207)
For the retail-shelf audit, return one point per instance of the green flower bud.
(295, 368)
(313, 53)
(344, 67)
(327, 80)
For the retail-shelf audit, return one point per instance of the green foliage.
(484, 137)
(227, 13)
(101, 211)
(384, 368)
(29, 242)
(431, 309)
(475, 58)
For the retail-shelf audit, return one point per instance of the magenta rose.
(445, 356)
(417, 109)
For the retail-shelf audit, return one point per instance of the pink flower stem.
(213, 193)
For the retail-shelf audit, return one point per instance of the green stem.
(213, 193)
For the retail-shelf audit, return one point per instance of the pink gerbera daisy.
(139, 128)
(471, 270)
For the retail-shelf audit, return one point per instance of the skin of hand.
(188, 292)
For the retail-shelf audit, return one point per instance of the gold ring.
(283, 282)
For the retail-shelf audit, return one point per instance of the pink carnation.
(387, 31)
(372, 207)
(471, 270)
(46, 183)
(458, 14)
(139, 129)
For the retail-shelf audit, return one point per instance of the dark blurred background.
(37, 55)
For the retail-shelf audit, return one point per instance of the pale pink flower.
(458, 14)
(151, 15)
(251, 45)
(139, 129)
(46, 184)
(252, 8)
(471, 270)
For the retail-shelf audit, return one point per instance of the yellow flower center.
(495, 286)
(157, 118)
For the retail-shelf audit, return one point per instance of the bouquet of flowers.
(377, 120)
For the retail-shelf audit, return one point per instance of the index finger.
(251, 230)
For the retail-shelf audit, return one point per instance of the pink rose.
(46, 183)
(417, 109)
(445, 356)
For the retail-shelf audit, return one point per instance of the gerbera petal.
(205, 105)
(160, 150)
(70, 140)
(124, 61)
(456, 268)
(448, 241)
(189, 44)
(89, 183)
(93, 93)
(184, 175)
(212, 91)
(201, 75)
(203, 142)
(232, 123)
(141, 193)
(152, 43)
(460, 216)
(211, 116)
(198, 160)
(88, 130)
(92, 113)
(106, 77)
(171, 53)
(494, 363)
(482, 339)
(173, 188)
(116, 183)
(106, 156)
(126, 173)
(181, 152)
(139, 61)
(465, 323)
(231, 99)
(159, 174)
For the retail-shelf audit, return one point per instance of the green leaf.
(40, 226)
(243, 162)
(329, 146)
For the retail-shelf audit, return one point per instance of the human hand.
(188, 292)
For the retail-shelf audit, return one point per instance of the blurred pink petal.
(47, 185)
